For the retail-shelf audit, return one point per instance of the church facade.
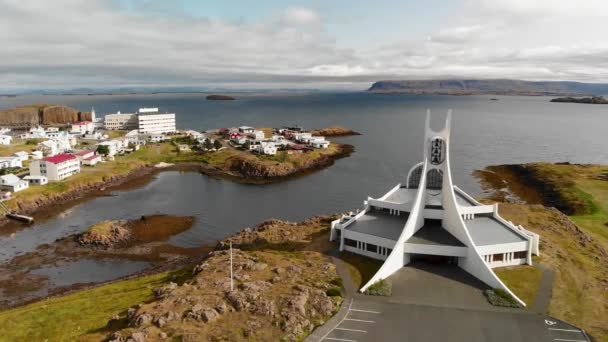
(429, 218)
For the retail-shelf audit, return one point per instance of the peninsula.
(487, 86)
(588, 100)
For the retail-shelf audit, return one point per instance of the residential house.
(256, 135)
(36, 180)
(318, 142)
(37, 155)
(246, 129)
(34, 133)
(297, 148)
(302, 137)
(157, 138)
(83, 127)
(48, 147)
(10, 162)
(280, 140)
(57, 167)
(52, 130)
(267, 147)
(4, 131)
(12, 183)
(87, 157)
(22, 155)
(5, 139)
(114, 146)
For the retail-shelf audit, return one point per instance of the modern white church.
(429, 218)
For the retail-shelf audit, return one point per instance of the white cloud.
(301, 16)
(70, 43)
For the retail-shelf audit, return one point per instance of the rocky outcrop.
(334, 131)
(42, 115)
(275, 295)
(220, 98)
(105, 234)
(588, 100)
(254, 169)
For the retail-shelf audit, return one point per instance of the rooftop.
(379, 224)
(432, 233)
(489, 231)
(59, 158)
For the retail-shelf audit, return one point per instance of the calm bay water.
(484, 132)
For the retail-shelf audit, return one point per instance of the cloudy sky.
(62, 44)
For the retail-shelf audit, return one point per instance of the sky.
(321, 44)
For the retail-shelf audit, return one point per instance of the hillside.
(41, 115)
(496, 87)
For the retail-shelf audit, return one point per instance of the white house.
(246, 129)
(36, 180)
(114, 146)
(429, 219)
(157, 138)
(10, 162)
(87, 157)
(5, 139)
(83, 127)
(4, 130)
(48, 147)
(36, 155)
(267, 147)
(22, 155)
(52, 130)
(56, 168)
(13, 183)
(303, 137)
(318, 142)
(256, 135)
(34, 133)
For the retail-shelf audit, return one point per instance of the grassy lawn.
(522, 280)
(361, 269)
(85, 312)
(27, 145)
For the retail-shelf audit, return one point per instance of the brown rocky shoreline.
(253, 171)
(281, 290)
(334, 131)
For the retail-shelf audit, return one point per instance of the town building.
(56, 168)
(429, 218)
(318, 142)
(5, 139)
(246, 129)
(145, 121)
(10, 162)
(36, 180)
(121, 121)
(22, 155)
(156, 138)
(87, 157)
(266, 147)
(12, 183)
(37, 155)
(83, 127)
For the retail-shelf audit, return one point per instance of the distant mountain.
(495, 87)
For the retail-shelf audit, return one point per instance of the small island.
(588, 100)
(334, 131)
(216, 97)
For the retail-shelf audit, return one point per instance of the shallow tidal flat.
(108, 250)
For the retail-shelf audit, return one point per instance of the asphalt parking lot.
(376, 320)
(413, 316)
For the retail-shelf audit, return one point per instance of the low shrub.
(333, 292)
(338, 282)
(380, 288)
(499, 297)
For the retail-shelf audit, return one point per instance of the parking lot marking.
(342, 320)
(561, 339)
(368, 311)
(359, 320)
(572, 330)
(339, 339)
(355, 330)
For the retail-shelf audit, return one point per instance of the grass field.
(522, 280)
(579, 257)
(82, 315)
